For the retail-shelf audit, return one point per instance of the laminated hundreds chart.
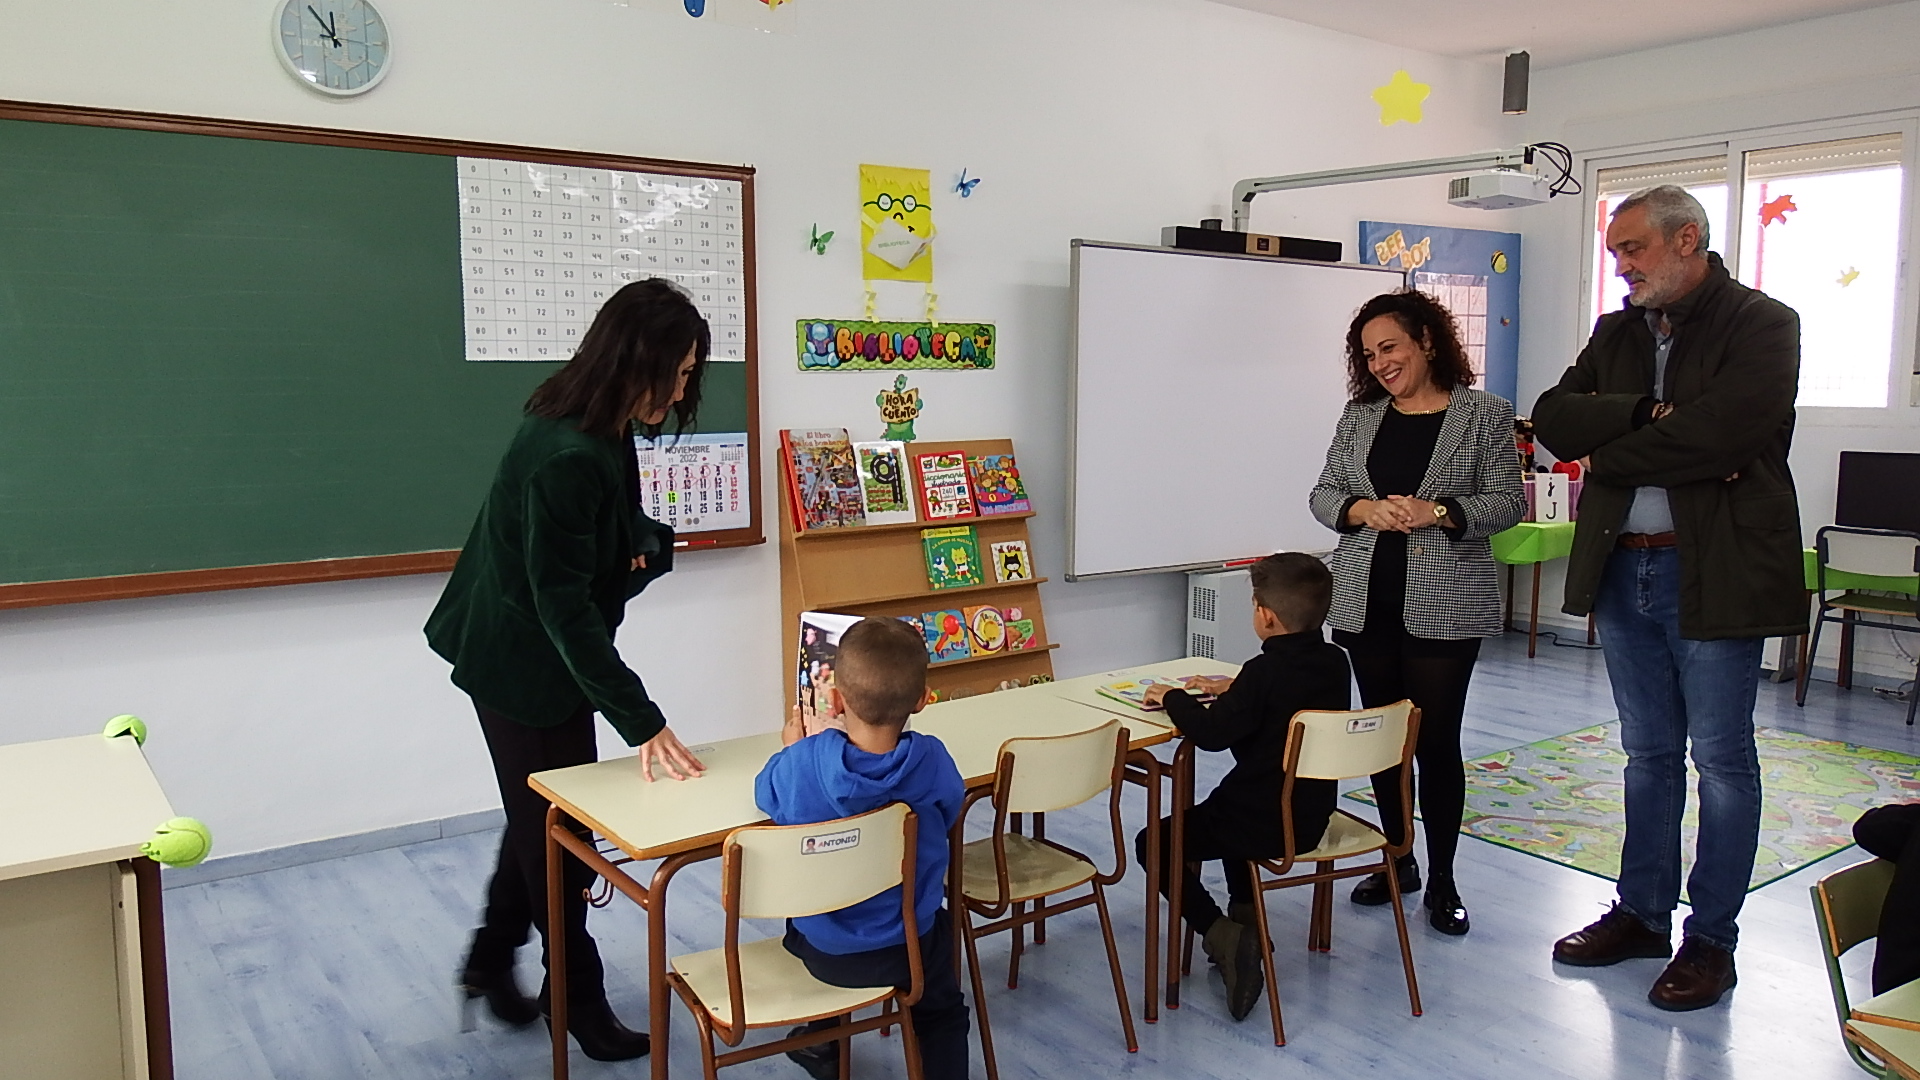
(543, 246)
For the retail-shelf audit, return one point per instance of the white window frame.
(1903, 389)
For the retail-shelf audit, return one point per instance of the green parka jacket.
(528, 617)
(1721, 454)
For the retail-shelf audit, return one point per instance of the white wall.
(1820, 69)
(291, 714)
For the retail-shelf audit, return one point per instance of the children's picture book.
(986, 629)
(945, 492)
(946, 633)
(819, 642)
(884, 482)
(1011, 561)
(953, 556)
(1134, 691)
(1019, 634)
(823, 482)
(996, 485)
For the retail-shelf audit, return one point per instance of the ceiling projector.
(1498, 189)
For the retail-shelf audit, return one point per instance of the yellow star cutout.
(1400, 99)
(1846, 279)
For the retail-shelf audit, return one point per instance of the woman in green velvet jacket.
(529, 615)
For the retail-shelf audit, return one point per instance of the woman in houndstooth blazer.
(1421, 472)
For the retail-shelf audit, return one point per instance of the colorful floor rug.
(1560, 799)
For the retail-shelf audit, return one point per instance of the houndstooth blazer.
(1453, 591)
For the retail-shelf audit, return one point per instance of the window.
(1817, 225)
(1820, 232)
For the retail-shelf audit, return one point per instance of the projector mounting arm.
(1245, 190)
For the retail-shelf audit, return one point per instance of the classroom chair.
(1846, 908)
(1338, 746)
(1009, 870)
(770, 872)
(1872, 552)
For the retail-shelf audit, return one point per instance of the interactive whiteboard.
(1204, 390)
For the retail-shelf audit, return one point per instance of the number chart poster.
(695, 483)
(543, 246)
(1476, 274)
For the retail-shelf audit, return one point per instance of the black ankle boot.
(600, 1034)
(1372, 890)
(1445, 912)
(503, 997)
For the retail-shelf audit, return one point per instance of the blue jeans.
(1669, 690)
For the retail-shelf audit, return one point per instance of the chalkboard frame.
(129, 586)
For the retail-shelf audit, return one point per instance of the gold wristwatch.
(1440, 512)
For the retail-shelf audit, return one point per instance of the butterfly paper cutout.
(1846, 279)
(696, 8)
(1775, 211)
(820, 240)
(965, 186)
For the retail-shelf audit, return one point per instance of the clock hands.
(326, 25)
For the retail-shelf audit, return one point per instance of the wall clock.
(337, 47)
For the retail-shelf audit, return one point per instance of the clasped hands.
(1395, 513)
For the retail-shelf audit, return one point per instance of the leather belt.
(1647, 540)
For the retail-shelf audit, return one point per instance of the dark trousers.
(517, 895)
(940, 1018)
(1214, 833)
(1434, 676)
(1893, 833)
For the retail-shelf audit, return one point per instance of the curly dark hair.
(1426, 321)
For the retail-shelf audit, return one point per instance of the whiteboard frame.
(1073, 389)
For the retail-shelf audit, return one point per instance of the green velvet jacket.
(528, 617)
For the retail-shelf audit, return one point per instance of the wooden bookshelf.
(880, 570)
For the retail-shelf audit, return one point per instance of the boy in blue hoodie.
(880, 680)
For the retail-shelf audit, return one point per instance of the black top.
(1396, 465)
(1292, 672)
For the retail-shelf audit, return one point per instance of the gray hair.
(1668, 208)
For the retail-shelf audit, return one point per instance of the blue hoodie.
(825, 776)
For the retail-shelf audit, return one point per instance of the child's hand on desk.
(666, 750)
(1210, 685)
(795, 728)
(1155, 695)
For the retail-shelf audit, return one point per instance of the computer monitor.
(1878, 491)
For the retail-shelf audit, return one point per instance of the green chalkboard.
(239, 347)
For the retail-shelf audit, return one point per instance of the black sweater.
(1292, 672)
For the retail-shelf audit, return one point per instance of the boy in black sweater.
(1296, 669)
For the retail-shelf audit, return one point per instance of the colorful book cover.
(946, 633)
(819, 642)
(996, 485)
(1011, 561)
(986, 629)
(885, 487)
(953, 556)
(1019, 634)
(1134, 691)
(825, 481)
(945, 491)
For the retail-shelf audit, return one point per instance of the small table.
(1842, 580)
(83, 963)
(1533, 542)
(683, 822)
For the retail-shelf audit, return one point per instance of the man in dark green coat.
(1687, 552)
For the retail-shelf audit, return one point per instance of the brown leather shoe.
(1618, 935)
(1699, 976)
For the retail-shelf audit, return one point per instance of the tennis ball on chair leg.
(127, 724)
(180, 842)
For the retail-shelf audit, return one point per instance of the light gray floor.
(345, 968)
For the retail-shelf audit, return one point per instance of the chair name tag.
(821, 843)
(1362, 724)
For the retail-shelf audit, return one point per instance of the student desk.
(1841, 580)
(1086, 691)
(83, 966)
(683, 822)
(1533, 542)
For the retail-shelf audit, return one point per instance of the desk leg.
(1533, 613)
(153, 969)
(1846, 650)
(1509, 622)
(1589, 627)
(1802, 662)
(556, 943)
(1176, 867)
(659, 1020)
(1149, 777)
(1040, 905)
